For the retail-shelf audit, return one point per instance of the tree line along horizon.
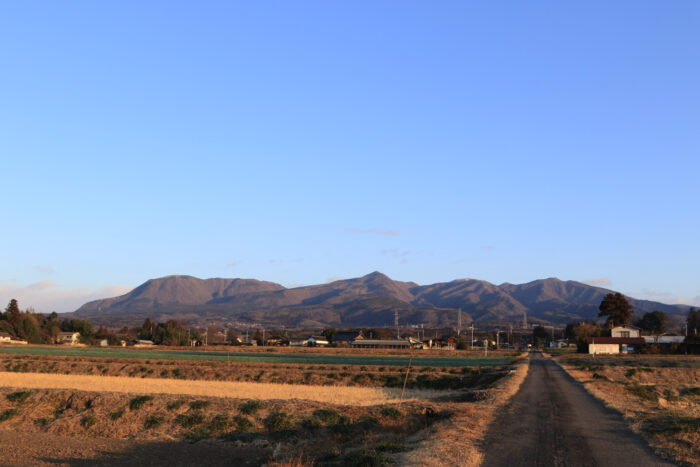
(37, 328)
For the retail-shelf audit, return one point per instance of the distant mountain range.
(366, 301)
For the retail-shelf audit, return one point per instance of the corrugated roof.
(382, 342)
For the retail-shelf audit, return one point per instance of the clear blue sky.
(300, 141)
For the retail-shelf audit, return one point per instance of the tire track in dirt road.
(553, 421)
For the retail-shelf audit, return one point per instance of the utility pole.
(497, 341)
(396, 323)
(510, 335)
(472, 328)
(459, 321)
(524, 320)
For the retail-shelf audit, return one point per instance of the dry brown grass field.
(321, 414)
(357, 396)
(659, 396)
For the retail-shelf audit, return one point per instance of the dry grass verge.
(265, 391)
(659, 398)
(457, 439)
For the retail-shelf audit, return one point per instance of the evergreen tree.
(617, 309)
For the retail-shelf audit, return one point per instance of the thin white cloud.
(48, 296)
(651, 293)
(603, 281)
(44, 269)
(668, 297)
(334, 278)
(390, 233)
(397, 254)
(284, 261)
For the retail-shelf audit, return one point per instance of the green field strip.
(306, 359)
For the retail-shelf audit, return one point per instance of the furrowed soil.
(425, 377)
(286, 355)
(362, 426)
(659, 397)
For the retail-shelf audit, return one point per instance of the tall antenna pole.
(396, 323)
(459, 321)
(524, 320)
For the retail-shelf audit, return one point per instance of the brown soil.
(22, 449)
(328, 375)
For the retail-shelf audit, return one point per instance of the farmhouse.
(613, 345)
(5, 337)
(386, 343)
(625, 330)
(345, 338)
(70, 338)
(445, 343)
(317, 341)
(144, 343)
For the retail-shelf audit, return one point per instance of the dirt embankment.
(458, 439)
(279, 429)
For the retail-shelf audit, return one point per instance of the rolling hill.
(370, 300)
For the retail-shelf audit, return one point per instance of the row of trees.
(36, 328)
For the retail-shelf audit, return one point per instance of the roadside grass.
(250, 407)
(691, 390)
(174, 405)
(198, 404)
(189, 420)
(656, 395)
(137, 402)
(116, 415)
(644, 392)
(18, 397)
(672, 424)
(154, 421)
(87, 421)
(8, 414)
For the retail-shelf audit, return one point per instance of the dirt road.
(553, 421)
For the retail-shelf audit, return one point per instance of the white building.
(625, 330)
(613, 345)
(70, 338)
(317, 341)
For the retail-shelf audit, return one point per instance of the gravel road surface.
(554, 421)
